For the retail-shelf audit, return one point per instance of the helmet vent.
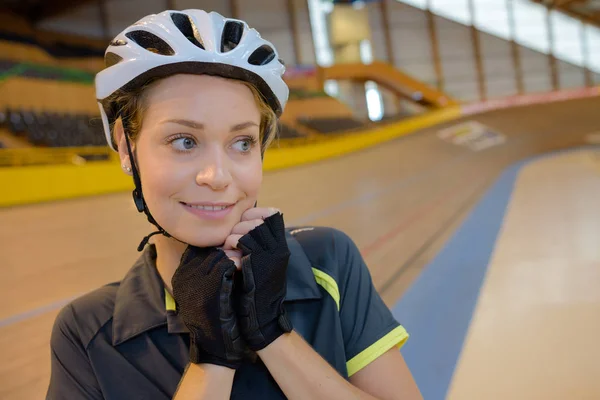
(262, 56)
(118, 42)
(232, 35)
(187, 27)
(111, 59)
(151, 42)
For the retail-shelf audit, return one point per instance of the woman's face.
(199, 156)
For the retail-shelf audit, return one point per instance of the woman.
(226, 302)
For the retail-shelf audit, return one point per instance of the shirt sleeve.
(72, 376)
(368, 326)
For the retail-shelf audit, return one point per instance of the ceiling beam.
(563, 6)
(562, 3)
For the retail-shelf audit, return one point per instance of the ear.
(120, 139)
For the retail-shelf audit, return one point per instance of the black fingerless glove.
(203, 291)
(264, 266)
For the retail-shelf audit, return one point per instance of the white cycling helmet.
(191, 42)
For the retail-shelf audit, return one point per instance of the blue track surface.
(437, 308)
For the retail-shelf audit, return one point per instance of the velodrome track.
(400, 202)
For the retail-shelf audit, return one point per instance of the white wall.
(569, 75)
(220, 6)
(377, 34)
(409, 35)
(270, 18)
(412, 48)
(80, 20)
(498, 66)
(122, 13)
(379, 51)
(307, 50)
(458, 60)
(410, 41)
(85, 19)
(536, 71)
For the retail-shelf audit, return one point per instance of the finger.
(248, 276)
(259, 213)
(226, 306)
(193, 254)
(235, 256)
(237, 261)
(231, 242)
(244, 227)
(233, 253)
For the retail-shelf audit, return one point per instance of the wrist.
(205, 381)
(199, 356)
(284, 340)
(215, 371)
(269, 332)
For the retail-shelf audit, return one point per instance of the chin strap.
(138, 197)
(146, 238)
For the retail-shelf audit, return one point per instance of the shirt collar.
(142, 303)
(301, 283)
(140, 299)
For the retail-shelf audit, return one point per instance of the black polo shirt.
(126, 341)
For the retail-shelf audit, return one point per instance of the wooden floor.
(535, 331)
(399, 201)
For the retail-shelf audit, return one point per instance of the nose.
(215, 171)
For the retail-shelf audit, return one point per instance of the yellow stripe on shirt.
(169, 301)
(329, 284)
(396, 337)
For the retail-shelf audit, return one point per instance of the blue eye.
(183, 144)
(246, 145)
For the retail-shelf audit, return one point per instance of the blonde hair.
(132, 106)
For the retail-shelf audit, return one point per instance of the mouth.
(209, 206)
(208, 210)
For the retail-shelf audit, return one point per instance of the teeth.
(208, 208)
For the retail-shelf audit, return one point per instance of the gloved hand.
(203, 289)
(265, 258)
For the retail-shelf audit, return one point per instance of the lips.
(208, 206)
(209, 211)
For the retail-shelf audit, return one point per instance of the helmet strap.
(138, 196)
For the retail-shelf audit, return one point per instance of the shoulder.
(319, 236)
(83, 317)
(322, 239)
(329, 249)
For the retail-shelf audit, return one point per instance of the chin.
(203, 233)
(204, 236)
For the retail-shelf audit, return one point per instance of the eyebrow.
(187, 122)
(200, 126)
(243, 126)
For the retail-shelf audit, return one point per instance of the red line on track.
(408, 222)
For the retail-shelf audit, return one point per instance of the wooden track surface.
(399, 201)
(534, 331)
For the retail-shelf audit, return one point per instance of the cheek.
(249, 179)
(164, 180)
(160, 179)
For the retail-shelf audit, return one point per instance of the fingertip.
(244, 216)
